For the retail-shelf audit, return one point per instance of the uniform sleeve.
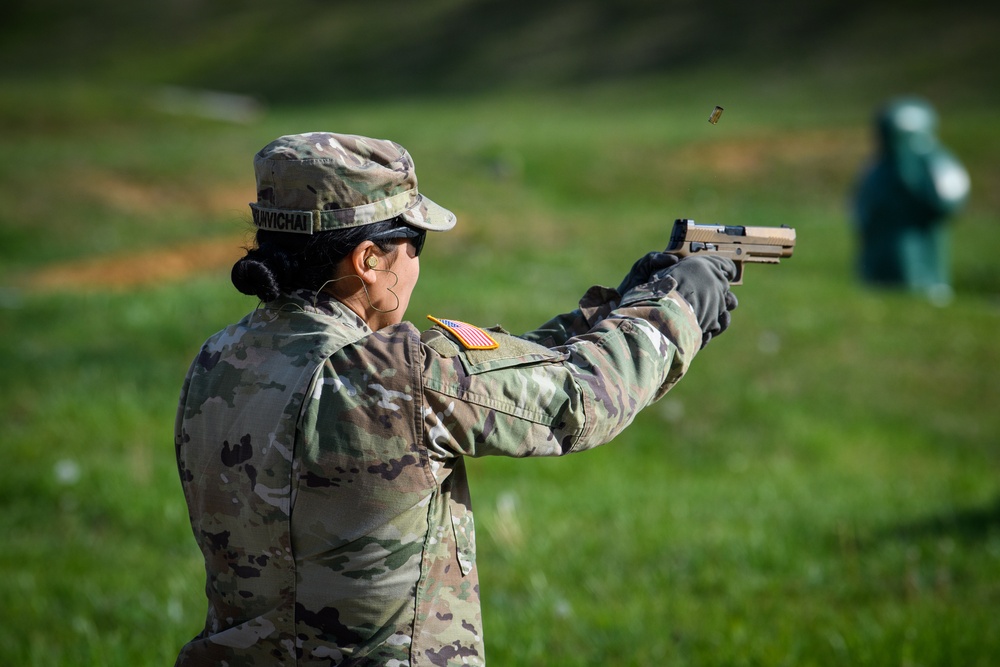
(596, 304)
(528, 399)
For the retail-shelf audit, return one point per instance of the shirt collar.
(321, 303)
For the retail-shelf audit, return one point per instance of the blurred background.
(822, 489)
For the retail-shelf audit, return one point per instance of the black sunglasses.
(416, 236)
(418, 242)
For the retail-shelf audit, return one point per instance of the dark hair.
(283, 262)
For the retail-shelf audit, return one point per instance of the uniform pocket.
(512, 351)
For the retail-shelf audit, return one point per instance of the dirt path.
(138, 269)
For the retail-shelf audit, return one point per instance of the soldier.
(321, 440)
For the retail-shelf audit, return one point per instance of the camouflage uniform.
(323, 467)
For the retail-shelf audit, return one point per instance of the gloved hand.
(704, 284)
(645, 267)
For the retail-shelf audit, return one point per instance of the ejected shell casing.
(716, 112)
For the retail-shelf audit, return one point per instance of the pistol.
(759, 245)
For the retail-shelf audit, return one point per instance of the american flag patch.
(473, 338)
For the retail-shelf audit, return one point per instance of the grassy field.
(822, 489)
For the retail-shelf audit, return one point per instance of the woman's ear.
(364, 259)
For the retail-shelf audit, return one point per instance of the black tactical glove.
(704, 284)
(645, 267)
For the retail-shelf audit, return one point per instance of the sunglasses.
(418, 242)
(415, 236)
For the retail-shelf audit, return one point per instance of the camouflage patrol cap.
(316, 181)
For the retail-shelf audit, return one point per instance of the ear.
(364, 259)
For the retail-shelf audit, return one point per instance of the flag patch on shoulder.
(472, 338)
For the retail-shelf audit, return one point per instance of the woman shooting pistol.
(321, 440)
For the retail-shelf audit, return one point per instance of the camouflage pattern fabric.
(323, 465)
(323, 180)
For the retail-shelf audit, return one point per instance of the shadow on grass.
(978, 280)
(969, 525)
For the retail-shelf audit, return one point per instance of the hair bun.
(253, 277)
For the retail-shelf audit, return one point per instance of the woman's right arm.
(527, 399)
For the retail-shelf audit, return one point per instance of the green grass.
(822, 489)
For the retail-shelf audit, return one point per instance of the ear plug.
(371, 262)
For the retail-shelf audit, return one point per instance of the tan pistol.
(758, 245)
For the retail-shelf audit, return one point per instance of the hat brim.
(425, 214)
